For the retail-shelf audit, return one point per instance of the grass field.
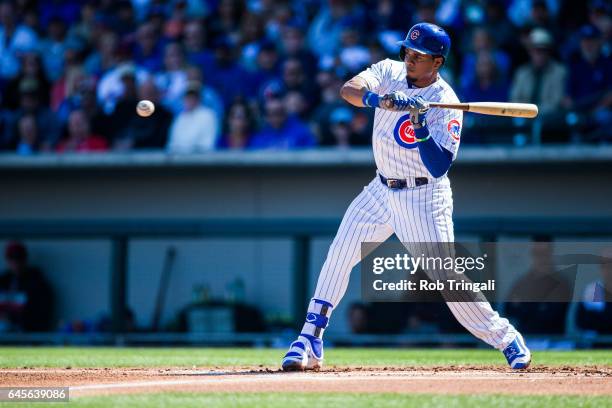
(60, 357)
(71, 358)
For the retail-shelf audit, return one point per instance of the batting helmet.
(428, 39)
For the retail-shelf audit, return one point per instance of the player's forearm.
(353, 92)
(436, 158)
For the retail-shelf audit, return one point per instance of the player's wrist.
(421, 133)
(371, 99)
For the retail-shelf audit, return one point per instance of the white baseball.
(145, 108)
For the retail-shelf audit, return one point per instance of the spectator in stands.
(27, 298)
(252, 36)
(268, 67)
(294, 79)
(31, 69)
(522, 12)
(353, 56)
(104, 56)
(209, 96)
(541, 17)
(361, 123)
(600, 16)
(239, 127)
(487, 85)
(83, 30)
(147, 50)
(482, 41)
(111, 86)
(389, 15)
(543, 82)
(227, 19)
(27, 136)
(590, 86)
(66, 87)
(80, 137)
(194, 42)
(53, 48)
(341, 131)
(497, 24)
(173, 79)
(15, 39)
(195, 129)
(296, 104)
(542, 282)
(326, 28)
(82, 96)
(30, 104)
(227, 77)
(293, 47)
(121, 118)
(281, 131)
(123, 18)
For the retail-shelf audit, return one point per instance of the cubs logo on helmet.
(454, 129)
(426, 38)
(404, 133)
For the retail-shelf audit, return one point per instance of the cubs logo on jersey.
(404, 133)
(454, 129)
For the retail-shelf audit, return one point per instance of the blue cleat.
(306, 353)
(517, 354)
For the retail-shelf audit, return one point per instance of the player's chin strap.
(317, 317)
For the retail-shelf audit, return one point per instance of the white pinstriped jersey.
(395, 148)
(416, 213)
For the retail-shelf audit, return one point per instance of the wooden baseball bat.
(517, 110)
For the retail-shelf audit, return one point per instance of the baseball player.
(414, 146)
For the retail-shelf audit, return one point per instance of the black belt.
(398, 184)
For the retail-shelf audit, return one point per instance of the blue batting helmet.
(428, 39)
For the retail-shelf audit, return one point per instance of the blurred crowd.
(255, 74)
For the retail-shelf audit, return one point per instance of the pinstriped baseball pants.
(419, 214)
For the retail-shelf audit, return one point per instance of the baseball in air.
(145, 108)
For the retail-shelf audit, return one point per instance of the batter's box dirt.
(567, 380)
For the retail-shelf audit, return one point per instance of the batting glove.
(402, 102)
(417, 114)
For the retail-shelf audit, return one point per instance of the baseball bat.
(163, 287)
(517, 110)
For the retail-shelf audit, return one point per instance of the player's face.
(419, 66)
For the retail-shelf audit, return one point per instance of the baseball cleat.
(517, 354)
(306, 353)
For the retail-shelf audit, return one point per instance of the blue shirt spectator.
(282, 131)
(590, 72)
(228, 78)
(148, 48)
(483, 41)
(487, 84)
(15, 39)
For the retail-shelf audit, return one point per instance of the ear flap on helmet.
(402, 53)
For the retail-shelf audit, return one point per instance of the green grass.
(15, 357)
(285, 400)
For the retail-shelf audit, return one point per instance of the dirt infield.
(585, 380)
